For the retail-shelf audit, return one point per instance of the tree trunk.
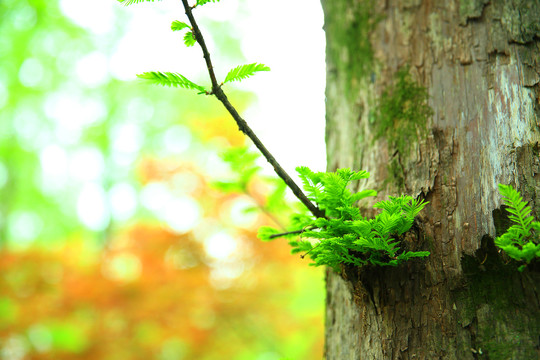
(479, 61)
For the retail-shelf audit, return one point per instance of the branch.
(273, 236)
(242, 125)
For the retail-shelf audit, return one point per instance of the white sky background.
(289, 114)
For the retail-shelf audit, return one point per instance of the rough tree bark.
(480, 63)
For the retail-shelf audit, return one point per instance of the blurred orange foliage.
(149, 293)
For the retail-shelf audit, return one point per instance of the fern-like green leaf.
(170, 79)
(363, 194)
(131, 2)
(202, 2)
(517, 207)
(178, 25)
(520, 241)
(345, 236)
(414, 207)
(189, 39)
(244, 71)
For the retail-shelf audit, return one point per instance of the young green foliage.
(344, 236)
(179, 25)
(131, 2)
(174, 79)
(189, 39)
(171, 79)
(521, 241)
(202, 2)
(244, 71)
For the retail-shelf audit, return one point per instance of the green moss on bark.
(520, 19)
(402, 112)
(470, 9)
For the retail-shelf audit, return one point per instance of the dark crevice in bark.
(495, 306)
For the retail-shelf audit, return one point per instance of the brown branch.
(242, 125)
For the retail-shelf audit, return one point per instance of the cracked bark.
(480, 61)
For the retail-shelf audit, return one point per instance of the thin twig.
(313, 248)
(242, 125)
(273, 236)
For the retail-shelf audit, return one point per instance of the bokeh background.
(114, 241)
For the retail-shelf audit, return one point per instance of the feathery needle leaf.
(131, 2)
(243, 71)
(520, 241)
(170, 79)
(202, 2)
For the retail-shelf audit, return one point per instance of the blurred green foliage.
(106, 216)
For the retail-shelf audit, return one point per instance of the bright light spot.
(4, 175)
(96, 16)
(73, 112)
(50, 42)
(67, 55)
(220, 245)
(121, 68)
(54, 167)
(29, 128)
(126, 138)
(140, 109)
(86, 164)
(177, 139)
(92, 208)
(15, 347)
(185, 182)
(31, 72)
(123, 267)
(40, 337)
(24, 17)
(213, 164)
(24, 227)
(227, 11)
(181, 213)
(92, 69)
(123, 200)
(223, 273)
(154, 195)
(139, 51)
